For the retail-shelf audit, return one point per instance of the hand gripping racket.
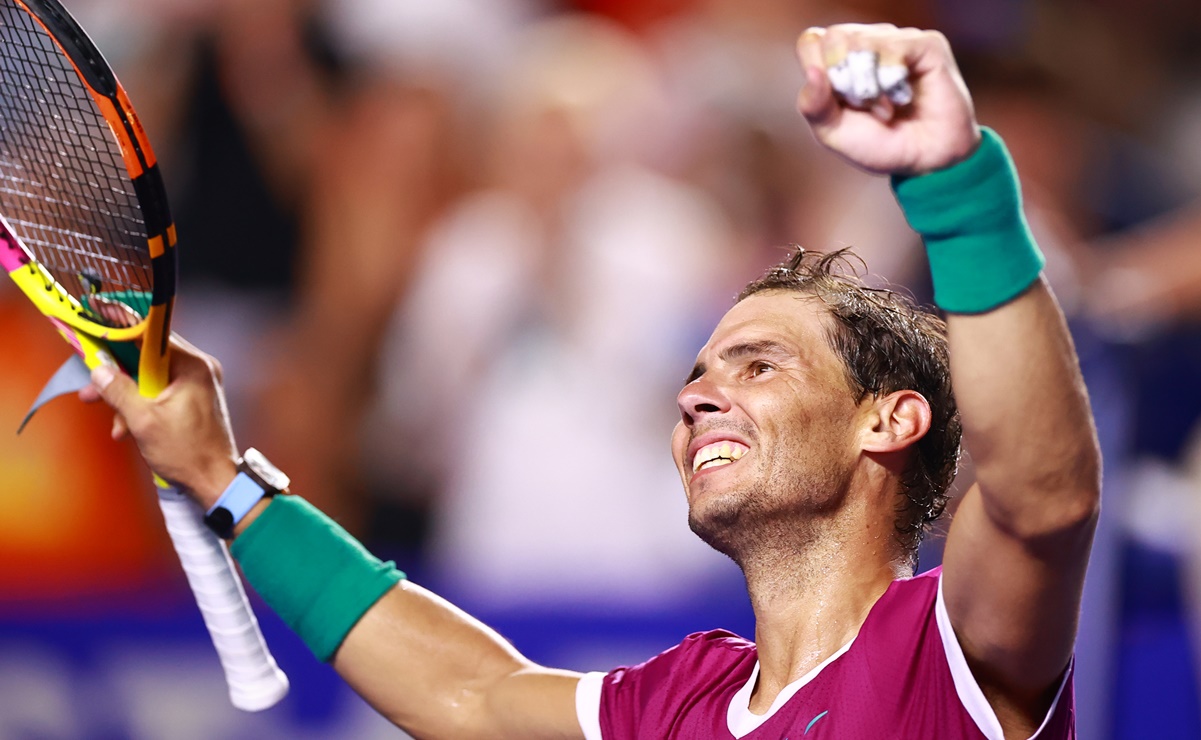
(86, 234)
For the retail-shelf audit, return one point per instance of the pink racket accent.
(68, 334)
(12, 256)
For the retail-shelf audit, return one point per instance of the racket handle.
(255, 681)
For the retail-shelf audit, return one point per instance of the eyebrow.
(758, 347)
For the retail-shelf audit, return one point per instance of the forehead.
(796, 320)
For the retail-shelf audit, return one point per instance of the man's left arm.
(1016, 553)
(1018, 547)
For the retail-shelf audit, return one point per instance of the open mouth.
(718, 454)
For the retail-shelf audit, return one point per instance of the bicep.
(1014, 601)
(436, 671)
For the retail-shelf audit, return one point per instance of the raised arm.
(421, 662)
(1018, 546)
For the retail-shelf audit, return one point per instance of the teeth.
(717, 454)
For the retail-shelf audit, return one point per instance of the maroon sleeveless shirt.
(898, 678)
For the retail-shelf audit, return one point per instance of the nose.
(699, 398)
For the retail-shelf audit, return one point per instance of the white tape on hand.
(894, 82)
(855, 78)
(861, 79)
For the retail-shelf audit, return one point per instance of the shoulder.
(901, 631)
(907, 600)
(694, 678)
(714, 647)
(911, 597)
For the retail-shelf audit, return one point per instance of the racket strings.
(64, 187)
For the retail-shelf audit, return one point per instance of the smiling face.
(767, 442)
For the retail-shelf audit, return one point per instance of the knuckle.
(937, 38)
(217, 369)
(837, 32)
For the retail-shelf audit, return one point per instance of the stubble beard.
(771, 518)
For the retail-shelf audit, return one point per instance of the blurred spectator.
(555, 313)
(392, 150)
(733, 80)
(1149, 277)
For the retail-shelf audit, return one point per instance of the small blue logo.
(813, 721)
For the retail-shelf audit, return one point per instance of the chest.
(844, 702)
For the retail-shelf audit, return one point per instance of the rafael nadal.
(817, 436)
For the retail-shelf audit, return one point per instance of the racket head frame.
(77, 323)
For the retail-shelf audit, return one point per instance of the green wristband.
(318, 578)
(969, 215)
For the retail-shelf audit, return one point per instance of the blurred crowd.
(458, 256)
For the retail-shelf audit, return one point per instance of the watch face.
(267, 472)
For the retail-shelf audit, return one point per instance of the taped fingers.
(861, 79)
(894, 83)
(867, 64)
(854, 78)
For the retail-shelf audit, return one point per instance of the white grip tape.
(255, 681)
(860, 79)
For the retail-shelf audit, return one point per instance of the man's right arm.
(421, 662)
(436, 671)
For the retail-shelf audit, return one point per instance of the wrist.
(960, 150)
(255, 483)
(316, 577)
(255, 512)
(970, 218)
(218, 477)
(970, 147)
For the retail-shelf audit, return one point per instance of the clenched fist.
(935, 129)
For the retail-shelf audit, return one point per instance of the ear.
(896, 421)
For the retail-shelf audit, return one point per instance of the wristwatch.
(257, 479)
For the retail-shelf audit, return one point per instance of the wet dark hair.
(887, 343)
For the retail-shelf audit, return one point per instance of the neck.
(810, 599)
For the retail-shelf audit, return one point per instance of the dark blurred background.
(457, 257)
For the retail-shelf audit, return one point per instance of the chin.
(720, 521)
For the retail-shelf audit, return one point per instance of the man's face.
(767, 440)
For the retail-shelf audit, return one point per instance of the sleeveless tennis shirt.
(903, 676)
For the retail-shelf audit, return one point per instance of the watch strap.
(238, 499)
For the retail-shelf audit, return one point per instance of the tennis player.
(817, 437)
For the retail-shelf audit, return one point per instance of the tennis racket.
(86, 234)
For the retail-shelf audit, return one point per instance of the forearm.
(1025, 414)
(423, 663)
(437, 672)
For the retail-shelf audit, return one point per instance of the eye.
(760, 367)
